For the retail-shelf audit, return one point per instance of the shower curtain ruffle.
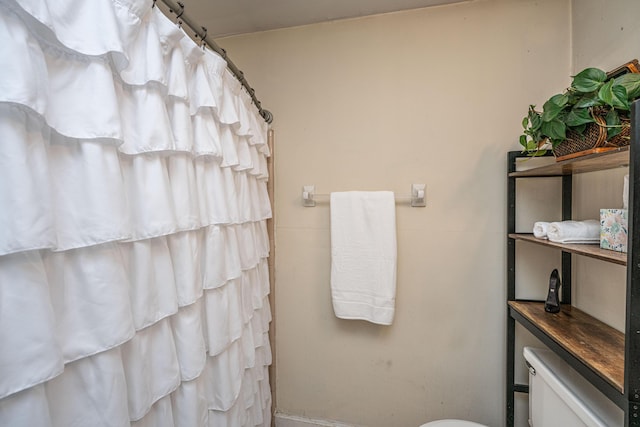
(133, 208)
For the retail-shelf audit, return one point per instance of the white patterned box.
(613, 229)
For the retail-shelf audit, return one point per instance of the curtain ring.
(178, 15)
(267, 116)
(203, 36)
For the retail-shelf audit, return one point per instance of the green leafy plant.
(593, 97)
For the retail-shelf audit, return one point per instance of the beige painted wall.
(432, 96)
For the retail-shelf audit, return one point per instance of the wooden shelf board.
(618, 157)
(597, 345)
(592, 251)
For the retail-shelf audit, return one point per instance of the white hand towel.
(540, 229)
(363, 255)
(587, 231)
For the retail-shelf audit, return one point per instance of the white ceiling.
(230, 17)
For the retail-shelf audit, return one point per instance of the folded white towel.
(363, 255)
(540, 229)
(587, 231)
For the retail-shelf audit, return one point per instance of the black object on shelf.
(552, 304)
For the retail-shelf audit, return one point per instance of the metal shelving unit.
(607, 358)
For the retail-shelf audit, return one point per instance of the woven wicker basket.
(594, 136)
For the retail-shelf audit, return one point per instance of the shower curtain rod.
(178, 8)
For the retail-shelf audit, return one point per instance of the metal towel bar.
(417, 199)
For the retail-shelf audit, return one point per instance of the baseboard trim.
(286, 420)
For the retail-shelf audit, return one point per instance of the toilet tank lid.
(580, 395)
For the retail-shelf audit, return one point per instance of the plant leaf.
(614, 95)
(631, 82)
(612, 118)
(555, 129)
(553, 107)
(613, 123)
(589, 80)
(620, 98)
(588, 100)
(560, 99)
(535, 119)
(578, 116)
(523, 141)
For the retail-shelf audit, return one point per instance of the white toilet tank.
(559, 396)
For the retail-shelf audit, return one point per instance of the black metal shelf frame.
(629, 400)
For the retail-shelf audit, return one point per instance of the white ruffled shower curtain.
(133, 207)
